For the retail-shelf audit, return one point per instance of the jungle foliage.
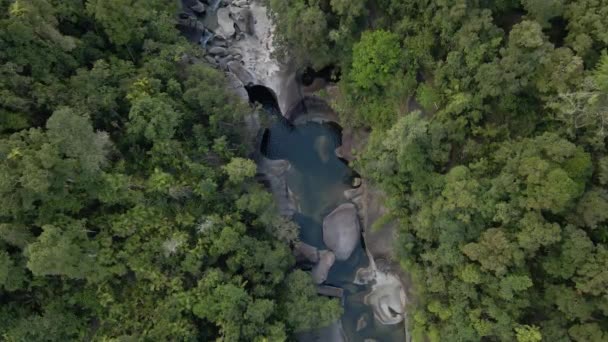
(128, 209)
(488, 123)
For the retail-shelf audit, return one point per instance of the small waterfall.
(205, 38)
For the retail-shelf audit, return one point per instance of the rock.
(238, 89)
(190, 22)
(362, 322)
(234, 51)
(364, 276)
(341, 231)
(240, 3)
(224, 62)
(218, 51)
(210, 59)
(330, 291)
(243, 19)
(387, 299)
(338, 152)
(357, 182)
(241, 73)
(321, 270)
(306, 252)
(320, 145)
(225, 23)
(199, 8)
(273, 173)
(353, 193)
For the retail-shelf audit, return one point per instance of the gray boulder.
(225, 23)
(218, 51)
(241, 73)
(321, 269)
(199, 8)
(243, 18)
(341, 231)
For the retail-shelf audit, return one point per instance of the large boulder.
(321, 269)
(241, 73)
(341, 231)
(243, 18)
(387, 299)
(225, 23)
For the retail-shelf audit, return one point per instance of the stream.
(318, 179)
(303, 171)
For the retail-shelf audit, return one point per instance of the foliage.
(488, 135)
(128, 209)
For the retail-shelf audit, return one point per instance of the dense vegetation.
(127, 209)
(488, 134)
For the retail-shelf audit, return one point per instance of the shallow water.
(318, 179)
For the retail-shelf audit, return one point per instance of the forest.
(487, 131)
(128, 207)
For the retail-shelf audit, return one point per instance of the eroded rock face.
(387, 299)
(225, 24)
(274, 173)
(341, 231)
(321, 269)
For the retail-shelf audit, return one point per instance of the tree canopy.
(488, 135)
(123, 182)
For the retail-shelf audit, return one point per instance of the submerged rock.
(341, 231)
(321, 269)
(321, 144)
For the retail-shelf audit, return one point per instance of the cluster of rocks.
(341, 235)
(234, 22)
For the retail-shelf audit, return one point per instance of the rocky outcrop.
(387, 299)
(225, 24)
(273, 173)
(341, 231)
(321, 269)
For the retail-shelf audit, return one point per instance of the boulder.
(199, 8)
(362, 322)
(321, 269)
(241, 73)
(387, 299)
(240, 3)
(273, 173)
(353, 193)
(364, 276)
(341, 231)
(238, 89)
(306, 252)
(225, 23)
(243, 19)
(218, 51)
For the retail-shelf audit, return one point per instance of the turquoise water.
(318, 179)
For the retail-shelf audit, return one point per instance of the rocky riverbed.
(346, 258)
